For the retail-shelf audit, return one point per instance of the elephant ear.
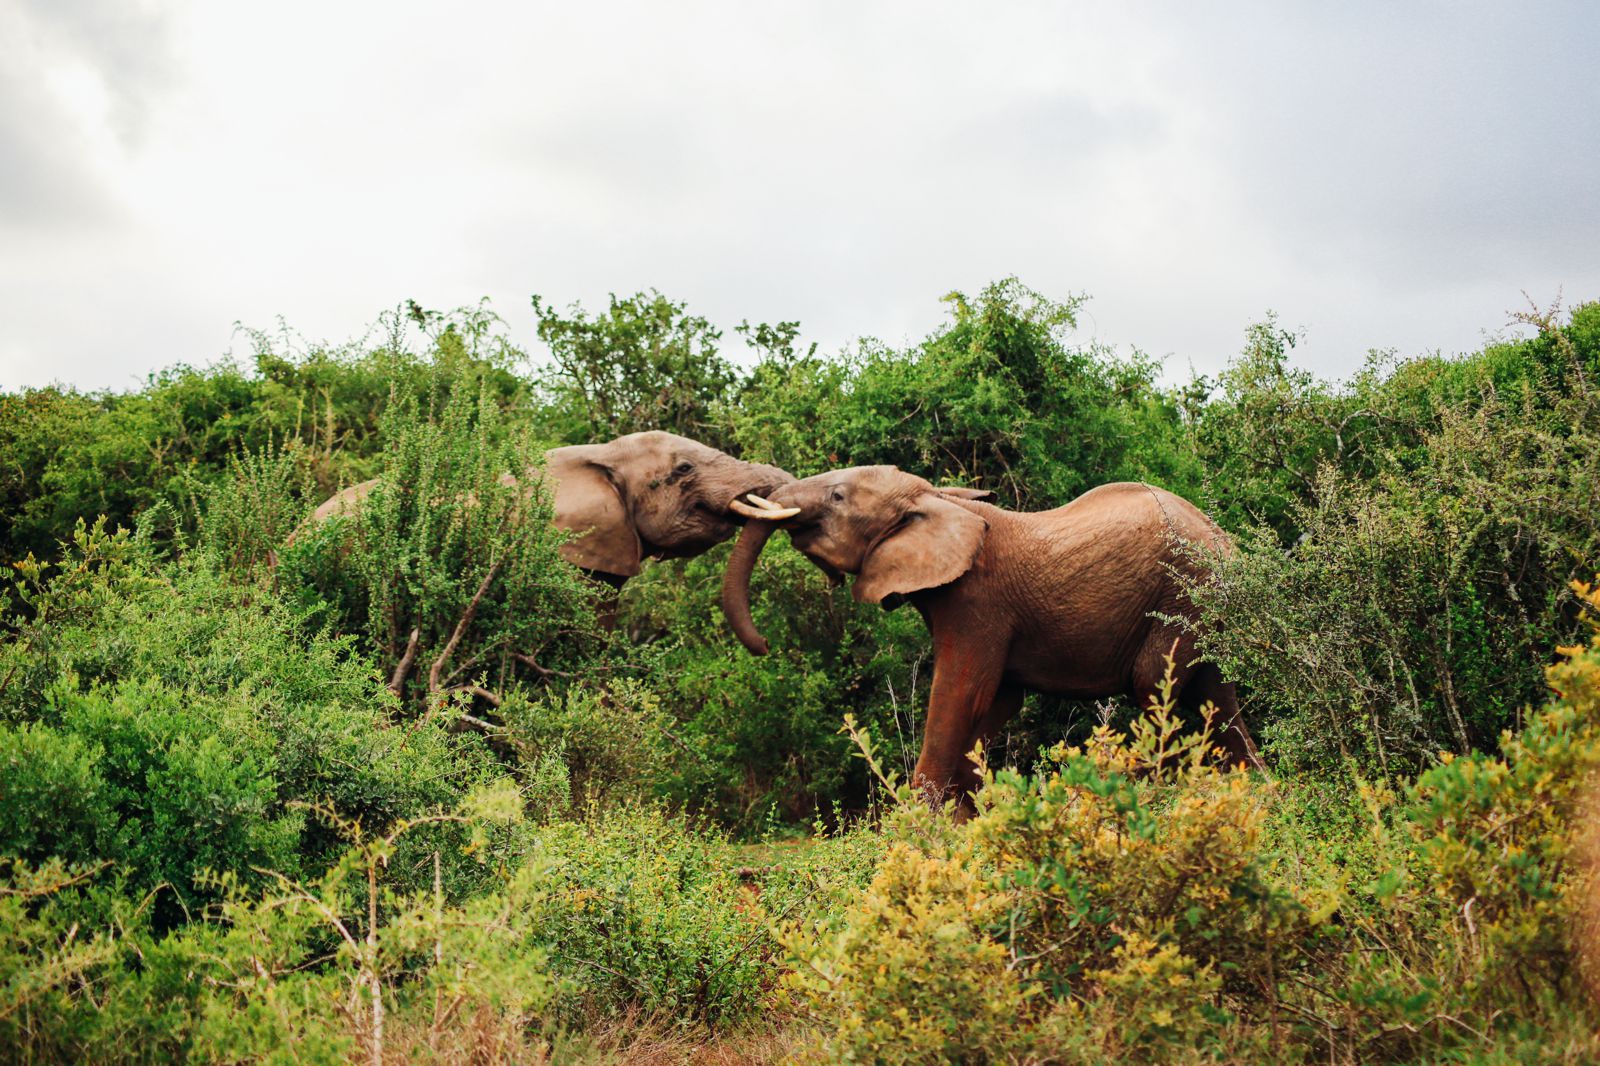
(588, 501)
(934, 544)
(961, 492)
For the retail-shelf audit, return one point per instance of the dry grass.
(637, 1041)
(487, 1039)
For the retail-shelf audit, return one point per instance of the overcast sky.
(1384, 175)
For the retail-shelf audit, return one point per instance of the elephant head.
(649, 494)
(897, 532)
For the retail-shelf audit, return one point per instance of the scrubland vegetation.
(304, 802)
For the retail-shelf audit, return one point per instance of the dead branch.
(397, 680)
(483, 693)
(461, 628)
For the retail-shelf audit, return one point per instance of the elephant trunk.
(736, 584)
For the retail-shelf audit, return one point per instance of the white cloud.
(1384, 177)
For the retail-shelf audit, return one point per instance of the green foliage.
(762, 734)
(255, 506)
(160, 717)
(224, 836)
(643, 363)
(1266, 430)
(71, 456)
(449, 569)
(298, 969)
(1116, 906)
(996, 397)
(598, 746)
(1479, 922)
(640, 911)
(1418, 604)
(1132, 903)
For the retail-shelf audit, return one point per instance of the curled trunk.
(736, 584)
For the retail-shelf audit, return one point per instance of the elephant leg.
(1194, 685)
(966, 681)
(1150, 667)
(1207, 686)
(1004, 707)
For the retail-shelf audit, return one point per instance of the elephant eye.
(683, 468)
(838, 496)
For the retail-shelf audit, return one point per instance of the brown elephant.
(1061, 601)
(644, 495)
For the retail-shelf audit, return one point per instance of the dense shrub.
(449, 570)
(1263, 429)
(761, 735)
(252, 510)
(591, 746)
(1132, 903)
(299, 969)
(1415, 610)
(1479, 917)
(1116, 906)
(70, 456)
(643, 363)
(158, 717)
(223, 835)
(641, 911)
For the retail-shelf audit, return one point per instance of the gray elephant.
(644, 495)
(1062, 602)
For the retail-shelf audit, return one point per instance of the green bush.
(607, 745)
(159, 717)
(297, 969)
(1131, 902)
(1481, 918)
(1415, 610)
(996, 397)
(71, 456)
(643, 363)
(448, 571)
(761, 735)
(248, 514)
(640, 911)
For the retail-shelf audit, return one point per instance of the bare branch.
(461, 628)
(398, 679)
(476, 690)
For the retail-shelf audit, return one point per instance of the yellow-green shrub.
(1117, 904)
(1475, 924)
(912, 974)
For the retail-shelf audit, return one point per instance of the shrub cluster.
(1133, 903)
(383, 787)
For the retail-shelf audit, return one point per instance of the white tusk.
(770, 513)
(767, 505)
